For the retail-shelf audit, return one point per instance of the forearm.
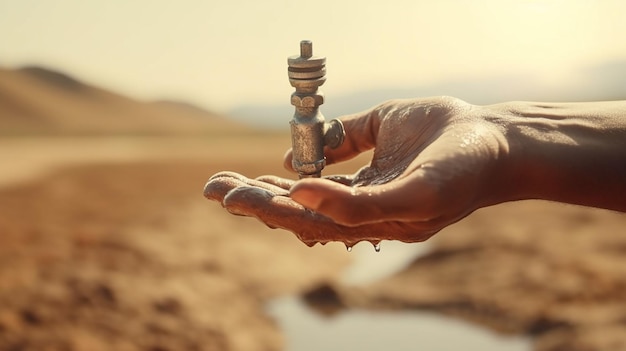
(573, 153)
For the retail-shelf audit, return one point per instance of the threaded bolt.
(306, 49)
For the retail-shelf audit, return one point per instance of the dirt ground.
(108, 244)
(554, 272)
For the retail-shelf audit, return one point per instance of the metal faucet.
(309, 131)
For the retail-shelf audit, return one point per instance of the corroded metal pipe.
(309, 131)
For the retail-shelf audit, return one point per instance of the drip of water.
(349, 248)
(377, 247)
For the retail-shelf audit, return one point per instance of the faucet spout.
(310, 133)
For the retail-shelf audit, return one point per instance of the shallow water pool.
(306, 330)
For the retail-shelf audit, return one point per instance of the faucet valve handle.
(334, 133)
(306, 72)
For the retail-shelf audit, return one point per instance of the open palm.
(434, 163)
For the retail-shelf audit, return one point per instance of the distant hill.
(43, 101)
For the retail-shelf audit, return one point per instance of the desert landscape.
(107, 243)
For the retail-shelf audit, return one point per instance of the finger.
(217, 187)
(286, 184)
(340, 178)
(278, 181)
(223, 182)
(228, 174)
(361, 133)
(274, 211)
(400, 200)
(310, 227)
(287, 158)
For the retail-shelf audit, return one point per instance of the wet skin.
(435, 161)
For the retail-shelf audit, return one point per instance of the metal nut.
(307, 100)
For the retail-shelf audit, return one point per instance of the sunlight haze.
(219, 54)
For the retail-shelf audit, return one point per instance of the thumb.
(328, 198)
(353, 206)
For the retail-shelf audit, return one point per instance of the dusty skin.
(242, 196)
(435, 161)
(403, 155)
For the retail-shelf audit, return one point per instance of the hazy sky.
(223, 53)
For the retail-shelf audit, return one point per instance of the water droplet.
(377, 247)
(349, 248)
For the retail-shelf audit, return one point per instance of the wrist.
(573, 153)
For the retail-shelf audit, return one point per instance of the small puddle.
(304, 329)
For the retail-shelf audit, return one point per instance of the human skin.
(435, 161)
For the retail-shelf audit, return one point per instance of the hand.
(435, 161)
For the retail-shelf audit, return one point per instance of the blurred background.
(113, 115)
